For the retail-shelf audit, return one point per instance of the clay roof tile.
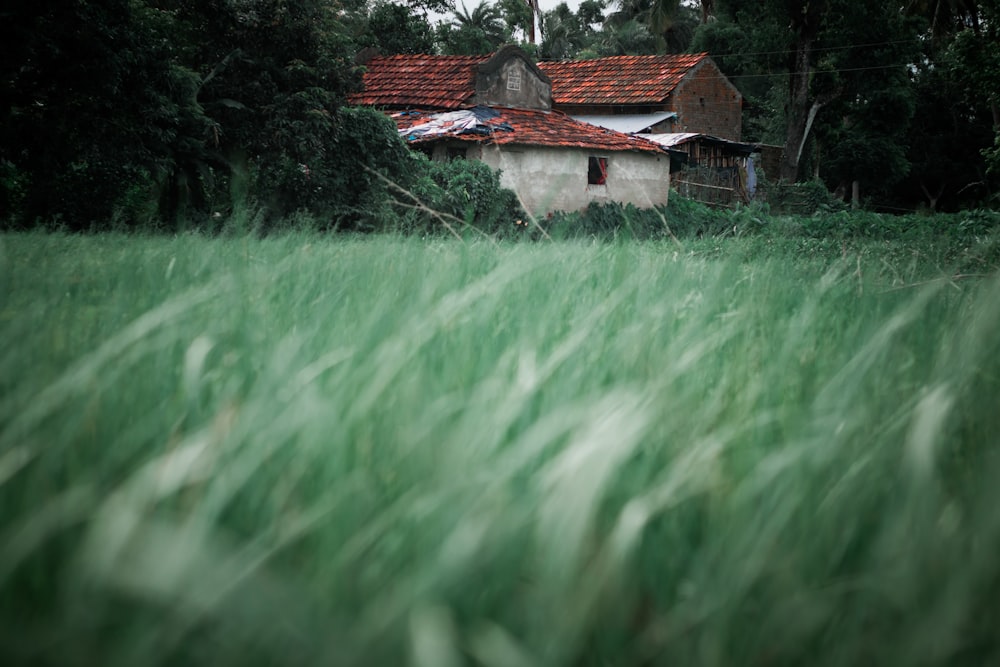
(618, 79)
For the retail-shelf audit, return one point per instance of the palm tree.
(669, 20)
(486, 16)
(662, 15)
(481, 30)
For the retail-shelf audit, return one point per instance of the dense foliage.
(169, 112)
(164, 113)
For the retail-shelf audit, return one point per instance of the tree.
(671, 21)
(519, 17)
(707, 10)
(95, 109)
(631, 38)
(394, 28)
(475, 32)
(196, 105)
(564, 33)
(958, 106)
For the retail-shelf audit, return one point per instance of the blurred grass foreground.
(311, 451)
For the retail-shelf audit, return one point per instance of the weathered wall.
(508, 80)
(555, 179)
(707, 103)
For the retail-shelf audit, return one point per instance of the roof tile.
(448, 82)
(532, 128)
(618, 79)
(443, 82)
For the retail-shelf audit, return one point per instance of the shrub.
(466, 193)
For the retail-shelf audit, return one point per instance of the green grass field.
(381, 451)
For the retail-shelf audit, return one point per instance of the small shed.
(717, 171)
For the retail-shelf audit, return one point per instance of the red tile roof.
(618, 79)
(529, 128)
(405, 81)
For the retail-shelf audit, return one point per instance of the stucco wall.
(555, 179)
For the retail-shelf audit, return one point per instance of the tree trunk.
(707, 10)
(798, 112)
(805, 16)
(932, 199)
(533, 6)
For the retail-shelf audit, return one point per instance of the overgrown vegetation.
(174, 114)
(304, 450)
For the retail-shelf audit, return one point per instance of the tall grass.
(392, 451)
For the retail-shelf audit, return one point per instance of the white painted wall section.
(555, 179)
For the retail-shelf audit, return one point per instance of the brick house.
(690, 92)
(498, 109)
(680, 101)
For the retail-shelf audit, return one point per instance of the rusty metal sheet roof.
(618, 79)
(516, 127)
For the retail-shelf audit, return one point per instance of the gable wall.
(707, 103)
(513, 84)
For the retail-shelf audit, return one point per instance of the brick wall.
(707, 103)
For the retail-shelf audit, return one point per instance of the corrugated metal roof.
(618, 79)
(672, 138)
(516, 127)
(628, 123)
(676, 139)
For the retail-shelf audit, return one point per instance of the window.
(597, 171)
(457, 153)
(513, 81)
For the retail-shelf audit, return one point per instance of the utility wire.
(823, 48)
(831, 71)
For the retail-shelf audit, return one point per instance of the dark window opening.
(457, 153)
(597, 171)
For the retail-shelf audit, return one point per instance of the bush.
(466, 193)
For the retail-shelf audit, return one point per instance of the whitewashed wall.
(555, 179)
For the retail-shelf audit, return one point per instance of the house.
(682, 102)
(498, 109)
(676, 93)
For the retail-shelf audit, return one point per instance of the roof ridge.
(651, 57)
(404, 56)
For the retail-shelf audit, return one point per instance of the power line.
(824, 48)
(837, 71)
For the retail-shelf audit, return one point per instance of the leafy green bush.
(339, 175)
(456, 193)
(680, 218)
(802, 198)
